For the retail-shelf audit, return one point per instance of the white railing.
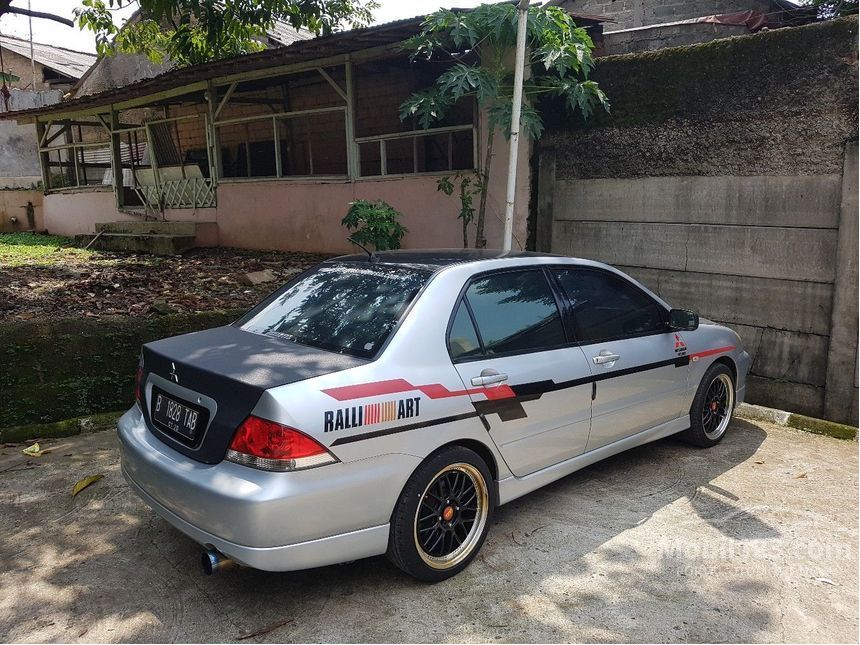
(191, 192)
(383, 139)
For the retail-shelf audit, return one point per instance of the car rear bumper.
(291, 557)
(270, 521)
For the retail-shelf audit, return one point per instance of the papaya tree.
(478, 45)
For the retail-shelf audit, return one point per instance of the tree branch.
(36, 14)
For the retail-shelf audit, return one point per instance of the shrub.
(374, 223)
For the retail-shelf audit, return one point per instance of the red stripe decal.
(399, 386)
(711, 352)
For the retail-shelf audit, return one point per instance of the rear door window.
(606, 307)
(347, 308)
(515, 312)
(463, 340)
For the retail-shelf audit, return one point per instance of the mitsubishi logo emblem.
(173, 376)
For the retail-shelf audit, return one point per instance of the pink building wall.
(306, 215)
(13, 210)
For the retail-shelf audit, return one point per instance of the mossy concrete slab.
(153, 244)
(66, 368)
(65, 428)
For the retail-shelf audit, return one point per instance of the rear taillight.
(271, 446)
(138, 385)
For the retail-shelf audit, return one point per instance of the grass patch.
(18, 249)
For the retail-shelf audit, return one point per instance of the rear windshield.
(344, 308)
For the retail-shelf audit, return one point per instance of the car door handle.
(605, 358)
(489, 377)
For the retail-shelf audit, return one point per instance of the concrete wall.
(642, 39)
(739, 204)
(19, 161)
(637, 13)
(110, 72)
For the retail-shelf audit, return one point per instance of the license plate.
(177, 416)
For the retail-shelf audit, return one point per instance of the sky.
(46, 31)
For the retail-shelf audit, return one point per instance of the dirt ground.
(44, 276)
(754, 540)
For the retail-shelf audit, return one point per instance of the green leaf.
(375, 224)
(445, 185)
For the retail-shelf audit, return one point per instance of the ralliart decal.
(357, 416)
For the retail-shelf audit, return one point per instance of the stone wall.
(726, 180)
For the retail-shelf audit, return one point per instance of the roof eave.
(327, 50)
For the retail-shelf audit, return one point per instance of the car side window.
(463, 339)
(515, 312)
(605, 306)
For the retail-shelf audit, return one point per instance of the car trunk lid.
(223, 372)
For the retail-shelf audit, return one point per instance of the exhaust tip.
(214, 562)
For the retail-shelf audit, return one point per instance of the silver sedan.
(388, 403)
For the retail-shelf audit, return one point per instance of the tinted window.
(463, 340)
(606, 306)
(344, 308)
(515, 312)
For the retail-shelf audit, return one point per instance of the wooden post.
(116, 158)
(276, 132)
(41, 134)
(353, 165)
(214, 147)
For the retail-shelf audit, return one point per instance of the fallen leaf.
(266, 629)
(759, 462)
(86, 481)
(800, 476)
(35, 450)
(826, 581)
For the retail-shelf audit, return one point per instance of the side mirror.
(682, 320)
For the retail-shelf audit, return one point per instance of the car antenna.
(370, 254)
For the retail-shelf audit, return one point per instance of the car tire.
(712, 407)
(443, 515)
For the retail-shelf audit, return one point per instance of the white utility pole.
(519, 69)
(32, 59)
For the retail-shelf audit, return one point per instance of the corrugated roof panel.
(65, 61)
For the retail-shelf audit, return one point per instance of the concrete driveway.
(755, 540)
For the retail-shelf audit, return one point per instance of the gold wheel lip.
(465, 549)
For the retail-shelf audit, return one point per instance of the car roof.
(438, 258)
